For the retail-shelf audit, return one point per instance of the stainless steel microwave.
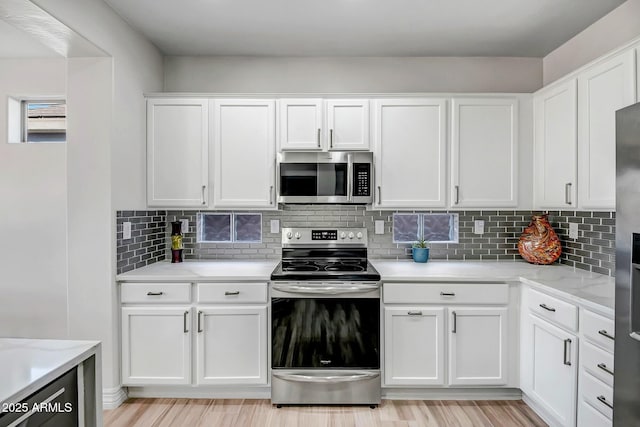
(325, 177)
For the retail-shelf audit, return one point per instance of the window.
(229, 228)
(434, 227)
(37, 120)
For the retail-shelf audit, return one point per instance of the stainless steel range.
(325, 319)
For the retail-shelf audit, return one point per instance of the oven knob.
(343, 235)
(359, 235)
(289, 235)
(351, 235)
(298, 235)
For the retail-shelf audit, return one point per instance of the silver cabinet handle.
(204, 187)
(154, 294)
(455, 322)
(567, 193)
(414, 313)
(184, 322)
(271, 195)
(457, 188)
(326, 379)
(330, 138)
(447, 294)
(379, 195)
(603, 400)
(227, 293)
(200, 321)
(604, 333)
(319, 138)
(546, 307)
(567, 343)
(605, 368)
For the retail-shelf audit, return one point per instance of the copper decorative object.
(539, 244)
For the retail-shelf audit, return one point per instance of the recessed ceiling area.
(18, 44)
(529, 28)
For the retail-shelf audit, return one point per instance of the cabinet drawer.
(588, 416)
(598, 329)
(597, 394)
(155, 292)
(557, 311)
(439, 293)
(597, 362)
(232, 292)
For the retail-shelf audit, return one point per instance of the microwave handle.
(349, 177)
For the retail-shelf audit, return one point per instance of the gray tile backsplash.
(148, 242)
(593, 250)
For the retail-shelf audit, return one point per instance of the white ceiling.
(530, 28)
(18, 44)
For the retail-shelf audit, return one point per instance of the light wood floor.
(392, 413)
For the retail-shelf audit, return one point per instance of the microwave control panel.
(361, 179)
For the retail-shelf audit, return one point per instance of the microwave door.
(332, 182)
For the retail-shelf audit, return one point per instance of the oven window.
(326, 333)
(299, 179)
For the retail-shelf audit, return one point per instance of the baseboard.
(201, 392)
(113, 397)
(452, 393)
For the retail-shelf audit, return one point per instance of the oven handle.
(326, 290)
(327, 379)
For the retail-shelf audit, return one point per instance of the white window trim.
(17, 117)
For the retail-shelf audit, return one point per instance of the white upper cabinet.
(555, 149)
(177, 152)
(348, 124)
(484, 152)
(301, 124)
(602, 89)
(410, 153)
(243, 160)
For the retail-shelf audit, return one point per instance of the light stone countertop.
(27, 365)
(201, 271)
(591, 290)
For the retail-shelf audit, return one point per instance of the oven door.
(325, 327)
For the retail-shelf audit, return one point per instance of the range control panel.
(324, 234)
(320, 236)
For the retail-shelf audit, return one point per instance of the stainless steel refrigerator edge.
(627, 349)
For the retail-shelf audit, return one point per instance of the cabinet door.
(478, 346)
(602, 90)
(552, 369)
(301, 124)
(484, 154)
(177, 152)
(243, 153)
(410, 153)
(414, 346)
(556, 146)
(232, 345)
(156, 345)
(348, 124)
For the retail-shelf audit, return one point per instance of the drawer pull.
(154, 294)
(447, 294)
(604, 368)
(546, 307)
(227, 293)
(415, 313)
(604, 333)
(567, 343)
(603, 400)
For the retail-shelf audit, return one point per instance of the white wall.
(33, 213)
(106, 162)
(352, 75)
(611, 31)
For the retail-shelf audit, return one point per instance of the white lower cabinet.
(550, 369)
(414, 346)
(232, 345)
(156, 345)
(478, 346)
